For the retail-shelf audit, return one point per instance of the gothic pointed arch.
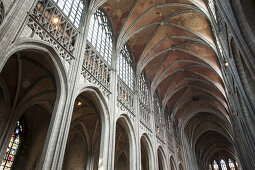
(124, 144)
(34, 98)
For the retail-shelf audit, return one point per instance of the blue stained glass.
(223, 165)
(12, 149)
(231, 164)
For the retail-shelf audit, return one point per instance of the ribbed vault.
(172, 41)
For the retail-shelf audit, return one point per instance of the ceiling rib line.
(181, 100)
(161, 77)
(148, 11)
(169, 93)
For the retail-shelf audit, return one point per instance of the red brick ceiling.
(172, 40)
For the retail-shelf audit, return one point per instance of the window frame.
(100, 35)
(125, 67)
(73, 9)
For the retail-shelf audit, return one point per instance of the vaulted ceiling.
(172, 41)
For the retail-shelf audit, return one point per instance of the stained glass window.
(215, 165)
(12, 148)
(210, 167)
(125, 67)
(72, 9)
(223, 165)
(231, 164)
(100, 35)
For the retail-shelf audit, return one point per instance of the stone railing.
(49, 23)
(160, 127)
(125, 96)
(96, 70)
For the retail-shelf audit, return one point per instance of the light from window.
(223, 165)
(100, 35)
(125, 67)
(12, 148)
(215, 165)
(231, 164)
(210, 167)
(72, 9)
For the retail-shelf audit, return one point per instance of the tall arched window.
(72, 9)
(215, 165)
(157, 107)
(125, 67)
(12, 148)
(223, 164)
(231, 164)
(100, 35)
(144, 88)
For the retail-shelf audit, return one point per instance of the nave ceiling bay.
(172, 40)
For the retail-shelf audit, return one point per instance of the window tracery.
(231, 164)
(125, 67)
(12, 148)
(215, 165)
(72, 9)
(144, 88)
(100, 35)
(157, 108)
(223, 164)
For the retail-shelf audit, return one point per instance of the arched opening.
(208, 139)
(84, 140)
(124, 144)
(180, 167)
(30, 88)
(122, 147)
(172, 164)
(144, 155)
(161, 163)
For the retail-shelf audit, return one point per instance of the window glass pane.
(100, 39)
(72, 9)
(12, 148)
(125, 67)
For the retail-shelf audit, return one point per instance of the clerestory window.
(100, 35)
(72, 9)
(13, 146)
(144, 88)
(157, 108)
(125, 67)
